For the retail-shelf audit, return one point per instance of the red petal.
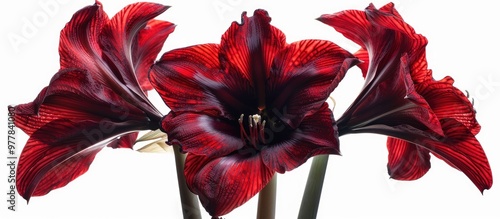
(189, 80)
(447, 101)
(75, 91)
(389, 9)
(146, 47)
(248, 49)
(61, 151)
(114, 51)
(353, 24)
(118, 37)
(32, 107)
(418, 69)
(407, 161)
(225, 183)
(459, 148)
(75, 95)
(25, 112)
(303, 76)
(247, 52)
(317, 134)
(203, 135)
(79, 47)
(396, 60)
(390, 101)
(364, 57)
(124, 141)
(389, 20)
(385, 35)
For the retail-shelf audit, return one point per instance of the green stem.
(312, 192)
(267, 200)
(189, 201)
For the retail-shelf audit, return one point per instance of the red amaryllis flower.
(249, 107)
(401, 99)
(97, 98)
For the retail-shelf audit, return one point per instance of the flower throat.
(256, 129)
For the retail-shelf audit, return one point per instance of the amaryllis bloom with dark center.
(248, 107)
(401, 99)
(97, 98)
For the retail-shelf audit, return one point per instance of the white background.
(463, 42)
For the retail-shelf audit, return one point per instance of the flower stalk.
(314, 186)
(189, 201)
(267, 200)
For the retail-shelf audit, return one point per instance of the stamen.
(255, 130)
(262, 132)
(241, 119)
(254, 134)
(243, 133)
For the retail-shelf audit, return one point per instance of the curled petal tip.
(261, 12)
(486, 187)
(322, 17)
(243, 16)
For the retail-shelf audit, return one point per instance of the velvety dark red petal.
(353, 24)
(249, 48)
(303, 75)
(146, 47)
(447, 101)
(385, 36)
(120, 34)
(114, 51)
(32, 108)
(29, 123)
(389, 20)
(418, 66)
(189, 80)
(389, 9)
(459, 148)
(364, 57)
(202, 134)
(225, 183)
(407, 161)
(317, 134)
(75, 95)
(61, 151)
(79, 47)
(394, 52)
(418, 69)
(124, 141)
(74, 90)
(390, 101)
(24, 112)
(247, 52)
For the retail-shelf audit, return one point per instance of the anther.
(256, 119)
